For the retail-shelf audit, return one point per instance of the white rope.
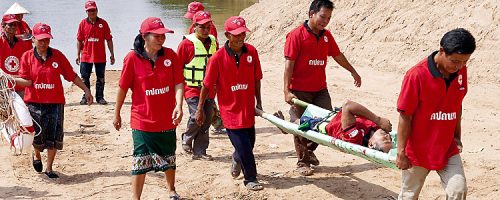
(9, 120)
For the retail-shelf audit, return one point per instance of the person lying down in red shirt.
(354, 123)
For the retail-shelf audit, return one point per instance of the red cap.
(235, 25)
(41, 31)
(89, 5)
(202, 17)
(154, 25)
(193, 7)
(9, 19)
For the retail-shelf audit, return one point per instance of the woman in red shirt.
(155, 76)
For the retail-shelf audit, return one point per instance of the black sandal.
(175, 197)
(37, 164)
(51, 174)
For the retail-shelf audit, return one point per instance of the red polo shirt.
(185, 51)
(46, 76)
(153, 88)
(93, 37)
(434, 107)
(310, 53)
(10, 58)
(213, 29)
(353, 134)
(235, 79)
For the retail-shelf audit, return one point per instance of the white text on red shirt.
(441, 116)
(155, 91)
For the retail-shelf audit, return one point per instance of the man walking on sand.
(236, 72)
(430, 108)
(194, 52)
(307, 48)
(90, 50)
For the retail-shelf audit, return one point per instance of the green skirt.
(153, 151)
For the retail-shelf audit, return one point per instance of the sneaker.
(83, 101)
(203, 157)
(102, 102)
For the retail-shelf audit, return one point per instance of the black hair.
(139, 42)
(458, 41)
(316, 5)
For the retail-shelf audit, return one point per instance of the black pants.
(86, 71)
(243, 141)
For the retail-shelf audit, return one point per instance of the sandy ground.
(95, 162)
(96, 159)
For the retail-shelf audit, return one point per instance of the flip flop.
(254, 186)
(305, 171)
(235, 168)
(51, 174)
(37, 164)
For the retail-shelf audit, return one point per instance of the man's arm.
(79, 46)
(201, 103)
(342, 61)
(179, 97)
(23, 82)
(458, 130)
(351, 109)
(404, 129)
(258, 95)
(111, 51)
(289, 66)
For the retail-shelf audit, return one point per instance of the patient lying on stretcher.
(356, 124)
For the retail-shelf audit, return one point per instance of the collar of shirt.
(231, 53)
(431, 64)
(434, 70)
(142, 53)
(96, 19)
(37, 56)
(311, 31)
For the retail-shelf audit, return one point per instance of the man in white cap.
(23, 29)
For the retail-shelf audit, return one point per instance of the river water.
(124, 18)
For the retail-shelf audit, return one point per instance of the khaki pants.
(452, 180)
(303, 146)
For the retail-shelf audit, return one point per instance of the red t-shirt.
(46, 76)
(185, 51)
(10, 58)
(355, 133)
(213, 30)
(235, 85)
(424, 95)
(310, 54)
(153, 89)
(93, 37)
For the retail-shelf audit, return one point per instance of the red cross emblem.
(12, 64)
